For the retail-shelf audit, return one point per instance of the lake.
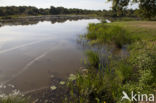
(31, 54)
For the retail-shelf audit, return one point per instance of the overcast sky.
(83, 4)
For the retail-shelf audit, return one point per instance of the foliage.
(114, 14)
(93, 58)
(30, 10)
(109, 34)
(133, 73)
(143, 57)
(14, 100)
(147, 8)
(21, 10)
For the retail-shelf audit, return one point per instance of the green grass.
(14, 99)
(110, 34)
(93, 59)
(133, 73)
(144, 30)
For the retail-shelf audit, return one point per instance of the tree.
(21, 9)
(1, 12)
(53, 10)
(147, 8)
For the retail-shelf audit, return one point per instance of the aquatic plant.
(111, 34)
(14, 99)
(133, 73)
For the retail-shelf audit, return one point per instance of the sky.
(82, 4)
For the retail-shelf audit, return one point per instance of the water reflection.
(35, 20)
(30, 54)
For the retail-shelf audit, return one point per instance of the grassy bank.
(136, 72)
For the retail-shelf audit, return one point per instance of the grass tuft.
(111, 34)
(14, 99)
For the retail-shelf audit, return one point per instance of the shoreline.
(47, 17)
(35, 19)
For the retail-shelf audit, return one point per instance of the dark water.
(30, 54)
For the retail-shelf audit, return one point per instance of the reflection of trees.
(21, 22)
(62, 20)
(53, 21)
(34, 20)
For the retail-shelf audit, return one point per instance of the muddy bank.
(48, 95)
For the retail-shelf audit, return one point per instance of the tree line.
(30, 10)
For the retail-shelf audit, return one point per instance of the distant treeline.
(30, 10)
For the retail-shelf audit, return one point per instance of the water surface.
(30, 54)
